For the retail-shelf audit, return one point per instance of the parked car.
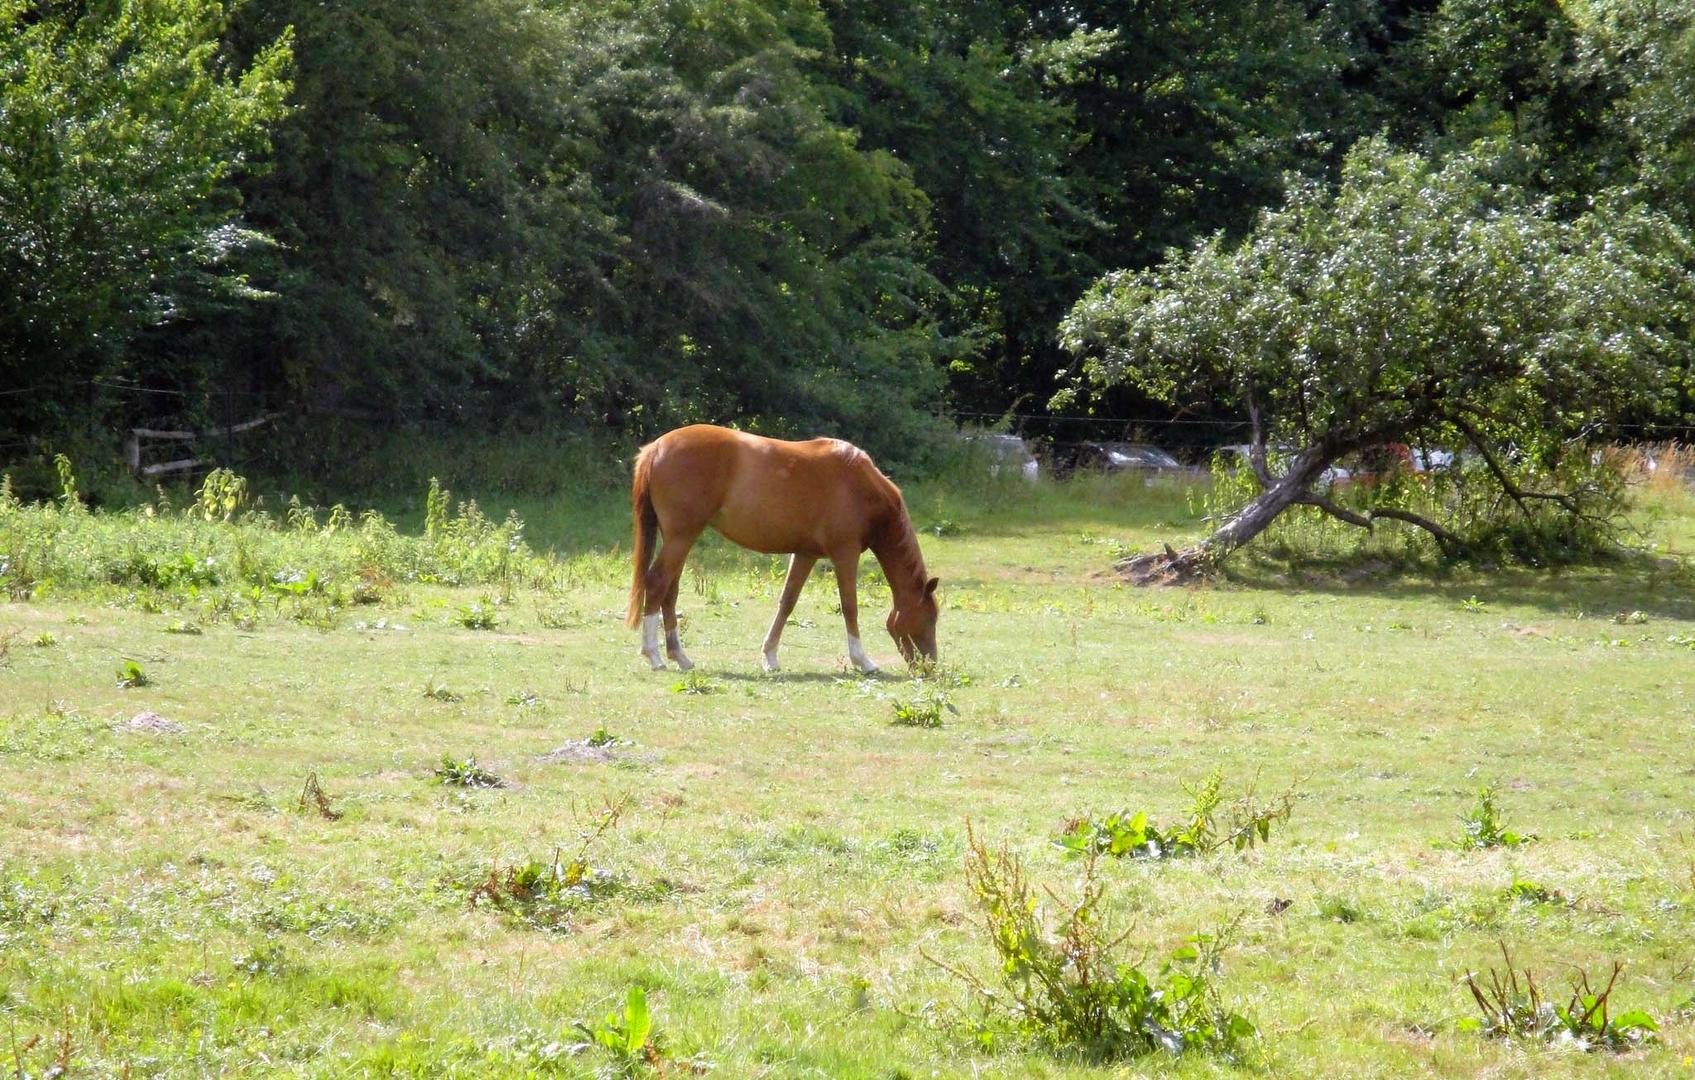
(1122, 457)
(1433, 460)
(1242, 453)
(1006, 452)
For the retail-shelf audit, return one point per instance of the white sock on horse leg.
(768, 650)
(674, 647)
(856, 653)
(650, 641)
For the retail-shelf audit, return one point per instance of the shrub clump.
(1512, 1007)
(1065, 984)
(227, 540)
(1483, 827)
(1245, 823)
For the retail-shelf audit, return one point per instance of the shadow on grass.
(796, 676)
(1633, 582)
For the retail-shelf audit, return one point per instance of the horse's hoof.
(683, 662)
(770, 663)
(654, 661)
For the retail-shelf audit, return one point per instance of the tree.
(122, 127)
(499, 212)
(1416, 303)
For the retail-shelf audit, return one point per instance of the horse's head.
(913, 623)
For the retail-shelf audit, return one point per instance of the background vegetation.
(612, 217)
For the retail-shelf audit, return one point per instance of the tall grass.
(221, 541)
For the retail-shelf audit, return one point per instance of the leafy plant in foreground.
(695, 682)
(626, 1034)
(1481, 826)
(924, 711)
(1246, 823)
(466, 773)
(1513, 1007)
(1064, 984)
(132, 675)
(478, 616)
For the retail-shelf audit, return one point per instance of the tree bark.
(1180, 567)
(1294, 488)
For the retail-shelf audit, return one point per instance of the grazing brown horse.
(821, 499)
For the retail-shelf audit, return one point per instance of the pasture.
(271, 878)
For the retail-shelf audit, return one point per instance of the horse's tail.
(644, 524)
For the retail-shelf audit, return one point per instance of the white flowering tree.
(1415, 302)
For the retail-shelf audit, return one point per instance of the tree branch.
(1446, 538)
(1340, 513)
(1518, 494)
(1450, 542)
(1256, 449)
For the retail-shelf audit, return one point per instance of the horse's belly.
(772, 533)
(771, 519)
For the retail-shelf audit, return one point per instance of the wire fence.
(1072, 420)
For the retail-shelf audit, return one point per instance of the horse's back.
(815, 496)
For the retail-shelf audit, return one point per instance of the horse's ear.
(930, 586)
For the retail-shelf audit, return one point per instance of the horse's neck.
(896, 550)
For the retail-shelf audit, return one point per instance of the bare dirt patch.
(580, 751)
(148, 723)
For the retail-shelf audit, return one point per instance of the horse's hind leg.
(800, 568)
(663, 578)
(847, 581)
(674, 641)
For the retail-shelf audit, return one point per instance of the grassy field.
(172, 902)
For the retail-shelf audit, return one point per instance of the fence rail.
(133, 446)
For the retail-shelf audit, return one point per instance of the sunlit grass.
(168, 898)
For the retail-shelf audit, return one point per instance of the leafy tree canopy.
(121, 126)
(1419, 302)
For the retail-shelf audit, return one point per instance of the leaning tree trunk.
(1277, 494)
(1172, 567)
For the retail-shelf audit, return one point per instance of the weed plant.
(465, 772)
(1512, 1006)
(1067, 984)
(1245, 822)
(1483, 827)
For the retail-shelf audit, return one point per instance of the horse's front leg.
(847, 581)
(800, 568)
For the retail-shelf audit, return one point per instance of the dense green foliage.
(1418, 303)
(794, 215)
(122, 129)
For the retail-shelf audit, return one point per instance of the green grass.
(169, 900)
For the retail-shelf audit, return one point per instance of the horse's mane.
(896, 544)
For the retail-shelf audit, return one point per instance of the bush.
(1246, 823)
(224, 540)
(1512, 1007)
(1065, 984)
